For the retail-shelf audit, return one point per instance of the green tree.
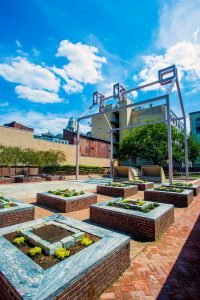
(193, 148)
(54, 158)
(150, 142)
(29, 158)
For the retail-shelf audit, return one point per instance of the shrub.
(62, 253)
(19, 240)
(86, 241)
(66, 193)
(34, 251)
(169, 189)
(71, 170)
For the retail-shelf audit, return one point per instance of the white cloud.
(179, 37)
(71, 86)
(179, 21)
(18, 44)
(84, 62)
(20, 70)
(134, 94)
(36, 52)
(35, 95)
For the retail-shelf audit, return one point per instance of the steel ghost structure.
(167, 76)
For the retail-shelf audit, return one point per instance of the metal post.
(169, 137)
(77, 148)
(186, 149)
(185, 131)
(111, 154)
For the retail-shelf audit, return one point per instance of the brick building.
(89, 146)
(18, 126)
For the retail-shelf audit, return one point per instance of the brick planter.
(20, 213)
(142, 186)
(6, 180)
(177, 199)
(28, 179)
(84, 275)
(147, 226)
(66, 204)
(54, 177)
(195, 188)
(117, 191)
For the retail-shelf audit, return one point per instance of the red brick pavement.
(166, 269)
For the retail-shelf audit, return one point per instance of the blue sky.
(54, 54)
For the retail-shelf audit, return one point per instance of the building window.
(198, 125)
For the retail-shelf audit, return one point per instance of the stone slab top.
(19, 206)
(136, 183)
(33, 282)
(154, 214)
(64, 199)
(185, 192)
(117, 187)
(184, 187)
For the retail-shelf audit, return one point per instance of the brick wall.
(24, 139)
(68, 205)
(88, 146)
(177, 199)
(139, 227)
(117, 192)
(95, 281)
(16, 217)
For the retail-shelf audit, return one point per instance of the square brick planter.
(177, 199)
(20, 213)
(195, 188)
(28, 179)
(6, 180)
(84, 275)
(142, 186)
(54, 177)
(66, 204)
(117, 191)
(147, 226)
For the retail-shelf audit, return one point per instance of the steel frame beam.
(173, 81)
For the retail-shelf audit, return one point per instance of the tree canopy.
(14, 156)
(150, 142)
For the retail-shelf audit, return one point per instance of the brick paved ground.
(166, 269)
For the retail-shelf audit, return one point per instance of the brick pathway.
(166, 269)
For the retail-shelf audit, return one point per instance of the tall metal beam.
(169, 137)
(77, 148)
(185, 130)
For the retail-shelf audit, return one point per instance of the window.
(198, 125)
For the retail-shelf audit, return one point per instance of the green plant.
(127, 206)
(34, 251)
(169, 189)
(67, 193)
(124, 201)
(86, 241)
(149, 207)
(19, 240)
(7, 206)
(140, 202)
(62, 253)
(137, 181)
(182, 184)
